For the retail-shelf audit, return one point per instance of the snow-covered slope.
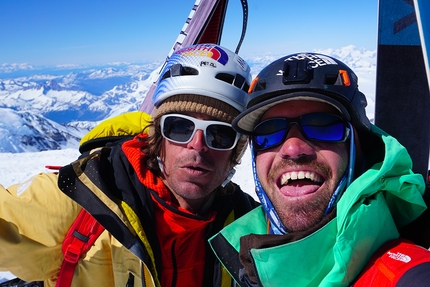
(24, 131)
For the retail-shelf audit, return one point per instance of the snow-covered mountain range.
(65, 95)
(52, 108)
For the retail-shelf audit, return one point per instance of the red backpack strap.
(391, 262)
(80, 237)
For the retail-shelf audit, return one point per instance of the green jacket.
(383, 199)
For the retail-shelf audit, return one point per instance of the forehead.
(292, 109)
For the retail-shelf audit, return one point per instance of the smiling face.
(193, 171)
(299, 176)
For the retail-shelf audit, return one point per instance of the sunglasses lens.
(178, 129)
(269, 133)
(323, 127)
(316, 127)
(181, 129)
(220, 137)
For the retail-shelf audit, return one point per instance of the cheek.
(220, 158)
(167, 153)
(263, 162)
(337, 159)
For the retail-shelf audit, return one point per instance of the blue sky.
(53, 32)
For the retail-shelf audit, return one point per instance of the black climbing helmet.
(305, 76)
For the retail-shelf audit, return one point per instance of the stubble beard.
(192, 188)
(295, 213)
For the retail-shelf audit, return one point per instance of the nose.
(295, 144)
(198, 141)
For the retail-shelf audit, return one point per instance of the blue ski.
(422, 9)
(402, 99)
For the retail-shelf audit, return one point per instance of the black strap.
(229, 256)
(16, 282)
(130, 281)
(244, 23)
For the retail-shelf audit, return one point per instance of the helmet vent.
(228, 78)
(179, 70)
(238, 81)
(260, 85)
(340, 79)
(333, 79)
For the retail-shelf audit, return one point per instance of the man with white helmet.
(334, 188)
(159, 196)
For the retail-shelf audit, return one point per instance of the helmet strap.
(228, 178)
(347, 177)
(276, 226)
(160, 164)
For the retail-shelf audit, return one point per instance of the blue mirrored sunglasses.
(315, 127)
(181, 129)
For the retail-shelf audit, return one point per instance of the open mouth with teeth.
(298, 183)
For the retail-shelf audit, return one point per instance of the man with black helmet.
(158, 195)
(334, 188)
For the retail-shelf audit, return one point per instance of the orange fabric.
(181, 236)
(386, 271)
(132, 150)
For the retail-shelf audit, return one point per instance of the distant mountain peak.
(27, 131)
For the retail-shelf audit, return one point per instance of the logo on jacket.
(399, 256)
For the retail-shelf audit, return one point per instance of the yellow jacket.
(36, 215)
(34, 218)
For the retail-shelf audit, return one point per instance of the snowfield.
(19, 167)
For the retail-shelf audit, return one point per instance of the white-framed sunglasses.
(181, 129)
